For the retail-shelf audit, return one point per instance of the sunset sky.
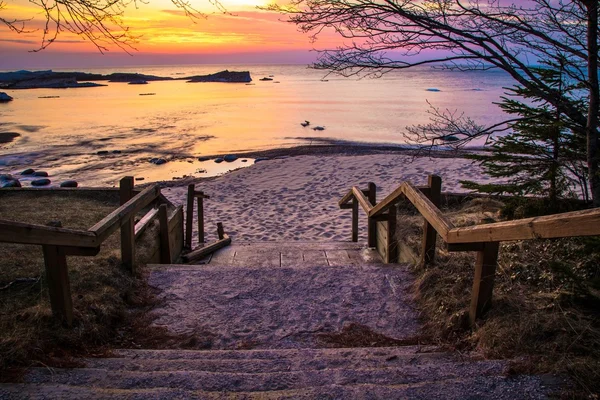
(167, 36)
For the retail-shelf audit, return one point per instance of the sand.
(296, 198)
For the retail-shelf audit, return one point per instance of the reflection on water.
(182, 121)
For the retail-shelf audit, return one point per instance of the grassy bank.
(546, 311)
(105, 296)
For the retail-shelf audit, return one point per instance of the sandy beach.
(295, 198)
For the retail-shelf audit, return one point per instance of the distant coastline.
(60, 80)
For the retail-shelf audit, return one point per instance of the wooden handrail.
(362, 199)
(18, 232)
(576, 223)
(113, 221)
(430, 212)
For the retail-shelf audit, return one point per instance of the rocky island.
(60, 80)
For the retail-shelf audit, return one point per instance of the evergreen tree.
(544, 153)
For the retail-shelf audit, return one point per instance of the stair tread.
(489, 387)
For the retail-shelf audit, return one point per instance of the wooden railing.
(58, 242)
(483, 239)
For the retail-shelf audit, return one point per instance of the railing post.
(429, 233)
(483, 283)
(127, 229)
(372, 224)
(165, 244)
(189, 217)
(59, 287)
(200, 202)
(392, 243)
(354, 220)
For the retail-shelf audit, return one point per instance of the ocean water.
(183, 121)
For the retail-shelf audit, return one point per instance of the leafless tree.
(99, 21)
(385, 35)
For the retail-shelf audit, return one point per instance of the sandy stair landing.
(285, 295)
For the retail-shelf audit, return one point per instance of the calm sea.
(63, 134)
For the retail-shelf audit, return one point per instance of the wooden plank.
(371, 223)
(429, 232)
(354, 220)
(189, 217)
(200, 203)
(199, 194)
(128, 226)
(392, 246)
(18, 232)
(483, 283)
(362, 200)
(165, 247)
(576, 223)
(338, 258)
(220, 230)
(406, 254)
(176, 233)
(435, 217)
(347, 197)
(143, 223)
(381, 239)
(389, 200)
(121, 215)
(59, 286)
(204, 251)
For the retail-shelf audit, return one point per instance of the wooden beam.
(59, 288)
(392, 244)
(429, 232)
(354, 220)
(220, 230)
(121, 215)
(389, 200)
(200, 201)
(128, 226)
(189, 217)
(208, 249)
(371, 222)
(431, 213)
(483, 283)
(576, 223)
(362, 200)
(199, 194)
(165, 246)
(143, 223)
(18, 232)
(347, 197)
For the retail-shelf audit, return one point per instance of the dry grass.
(546, 311)
(105, 297)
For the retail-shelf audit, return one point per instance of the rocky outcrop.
(4, 97)
(223, 76)
(50, 79)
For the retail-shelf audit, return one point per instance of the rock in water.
(40, 182)
(218, 160)
(203, 158)
(28, 171)
(158, 161)
(230, 158)
(40, 173)
(259, 159)
(223, 76)
(433, 90)
(69, 184)
(4, 98)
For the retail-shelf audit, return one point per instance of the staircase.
(285, 320)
